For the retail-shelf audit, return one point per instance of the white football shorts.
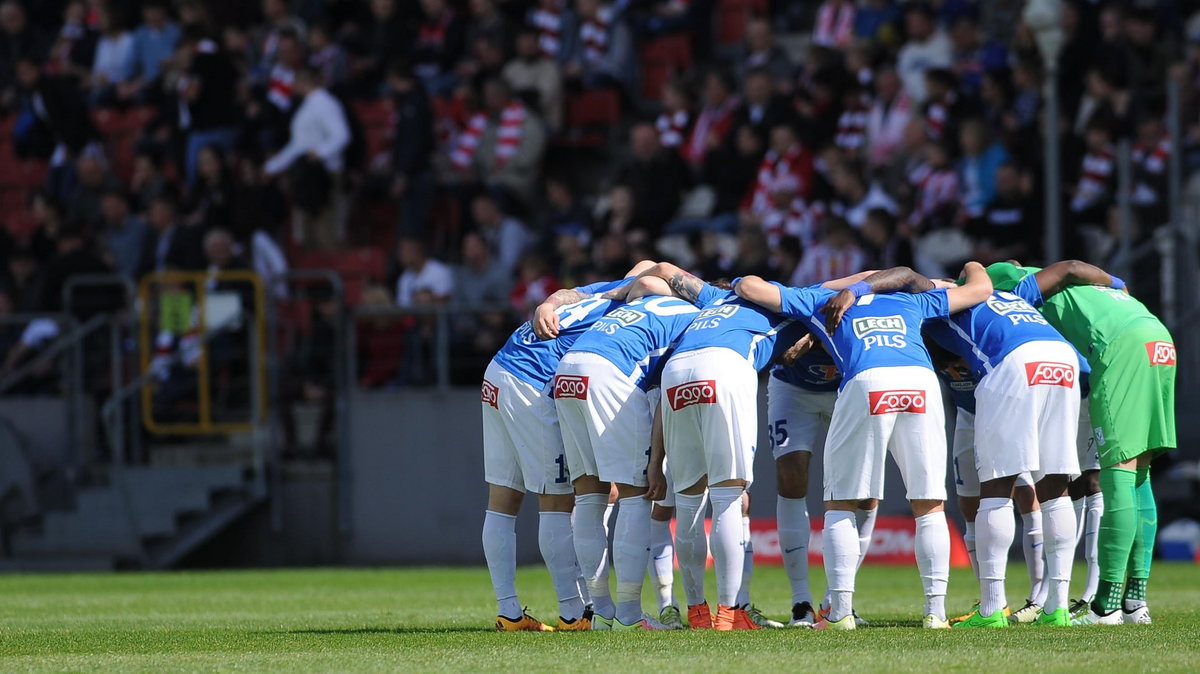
(522, 447)
(605, 419)
(881, 410)
(797, 419)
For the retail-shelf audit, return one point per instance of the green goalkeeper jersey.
(1090, 317)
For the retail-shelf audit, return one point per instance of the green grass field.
(439, 620)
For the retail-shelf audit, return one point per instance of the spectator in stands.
(412, 182)
(326, 55)
(506, 236)
(884, 245)
(73, 255)
(154, 42)
(122, 235)
(851, 136)
(49, 214)
(146, 182)
(1151, 156)
(384, 37)
(534, 284)
(1148, 52)
(75, 46)
(927, 47)
(602, 52)
(944, 109)
(486, 20)
(313, 157)
(835, 255)
(855, 199)
(675, 120)
(887, 117)
(52, 117)
(972, 56)
(310, 376)
(784, 213)
(760, 52)
(936, 189)
(480, 280)
(877, 22)
(92, 179)
(440, 43)
(753, 256)
(207, 91)
(981, 157)
(1009, 227)
(211, 202)
(563, 212)
(786, 157)
(171, 244)
(114, 67)
(554, 22)
(21, 279)
(18, 39)
(502, 146)
(761, 108)
(731, 171)
(715, 119)
(834, 26)
(656, 177)
(278, 92)
(424, 279)
(1093, 192)
(536, 78)
(279, 22)
(571, 248)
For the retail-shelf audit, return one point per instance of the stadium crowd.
(485, 141)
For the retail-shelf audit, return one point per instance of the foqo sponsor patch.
(702, 392)
(570, 386)
(1161, 353)
(1050, 374)
(893, 402)
(490, 394)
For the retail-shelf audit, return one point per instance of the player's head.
(721, 283)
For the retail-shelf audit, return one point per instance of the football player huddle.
(642, 393)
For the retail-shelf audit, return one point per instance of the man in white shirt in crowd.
(928, 47)
(424, 280)
(318, 137)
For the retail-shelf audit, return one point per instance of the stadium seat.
(591, 115)
(661, 58)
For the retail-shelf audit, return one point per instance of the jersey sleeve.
(603, 286)
(933, 303)
(939, 331)
(709, 294)
(801, 302)
(1028, 290)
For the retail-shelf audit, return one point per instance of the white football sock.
(969, 541)
(933, 560)
(995, 529)
(1031, 545)
(743, 597)
(865, 521)
(691, 546)
(591, 549)
(1080, 506)
(794, 531)
(840, 546)
(631, 552)
(1091, 540)
(662, 562)
(729, 555)
(558, 550)
(1058, 518)
(500, 549)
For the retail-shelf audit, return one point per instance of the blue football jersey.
(984, 334)
(876, 331)
(534, 360)
(961, 382)
(728, 321)
(814, 371)
(638, 336)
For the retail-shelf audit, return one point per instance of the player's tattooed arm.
(545, 317)
(896, 279)
(1062, 275)
(656, 481)
(686, 286)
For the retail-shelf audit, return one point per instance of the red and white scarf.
(593, 35)
(835, 24)
(672, 127)
(852, 129)
(774, 167)
(1153, 159)
(936, 116)
(279, 87)
(822, 262)
(935, 188)
(799, 219)
(548, 22)
(711, 122)
(1094, 180)
(508, 137)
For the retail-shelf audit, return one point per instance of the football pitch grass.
(338, 620)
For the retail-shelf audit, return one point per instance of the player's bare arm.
(656, 480)
(896, 279)
(976, 289)
(639, 268)
(545, 318)
(1062, 275)
(847, 281)
(647, 285)
(795, 351)
(684, 285)
(764, 294)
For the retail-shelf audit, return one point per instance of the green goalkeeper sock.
(1142, 552)
(1118, 528)
(1135, 593)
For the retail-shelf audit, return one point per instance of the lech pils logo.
(625, 316)
(869, 324)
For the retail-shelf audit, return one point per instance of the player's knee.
(847, 505)
(922, 507)
(504, 500)
(791, 476)
(969, 505)
(662, 513)
(1052, 487)
(561, 503)
(590, 484)
(697, 488)
(867, 504)
(1025, 497)
(629, 491)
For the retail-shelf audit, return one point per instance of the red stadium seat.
(591, 115)
(661, 58)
